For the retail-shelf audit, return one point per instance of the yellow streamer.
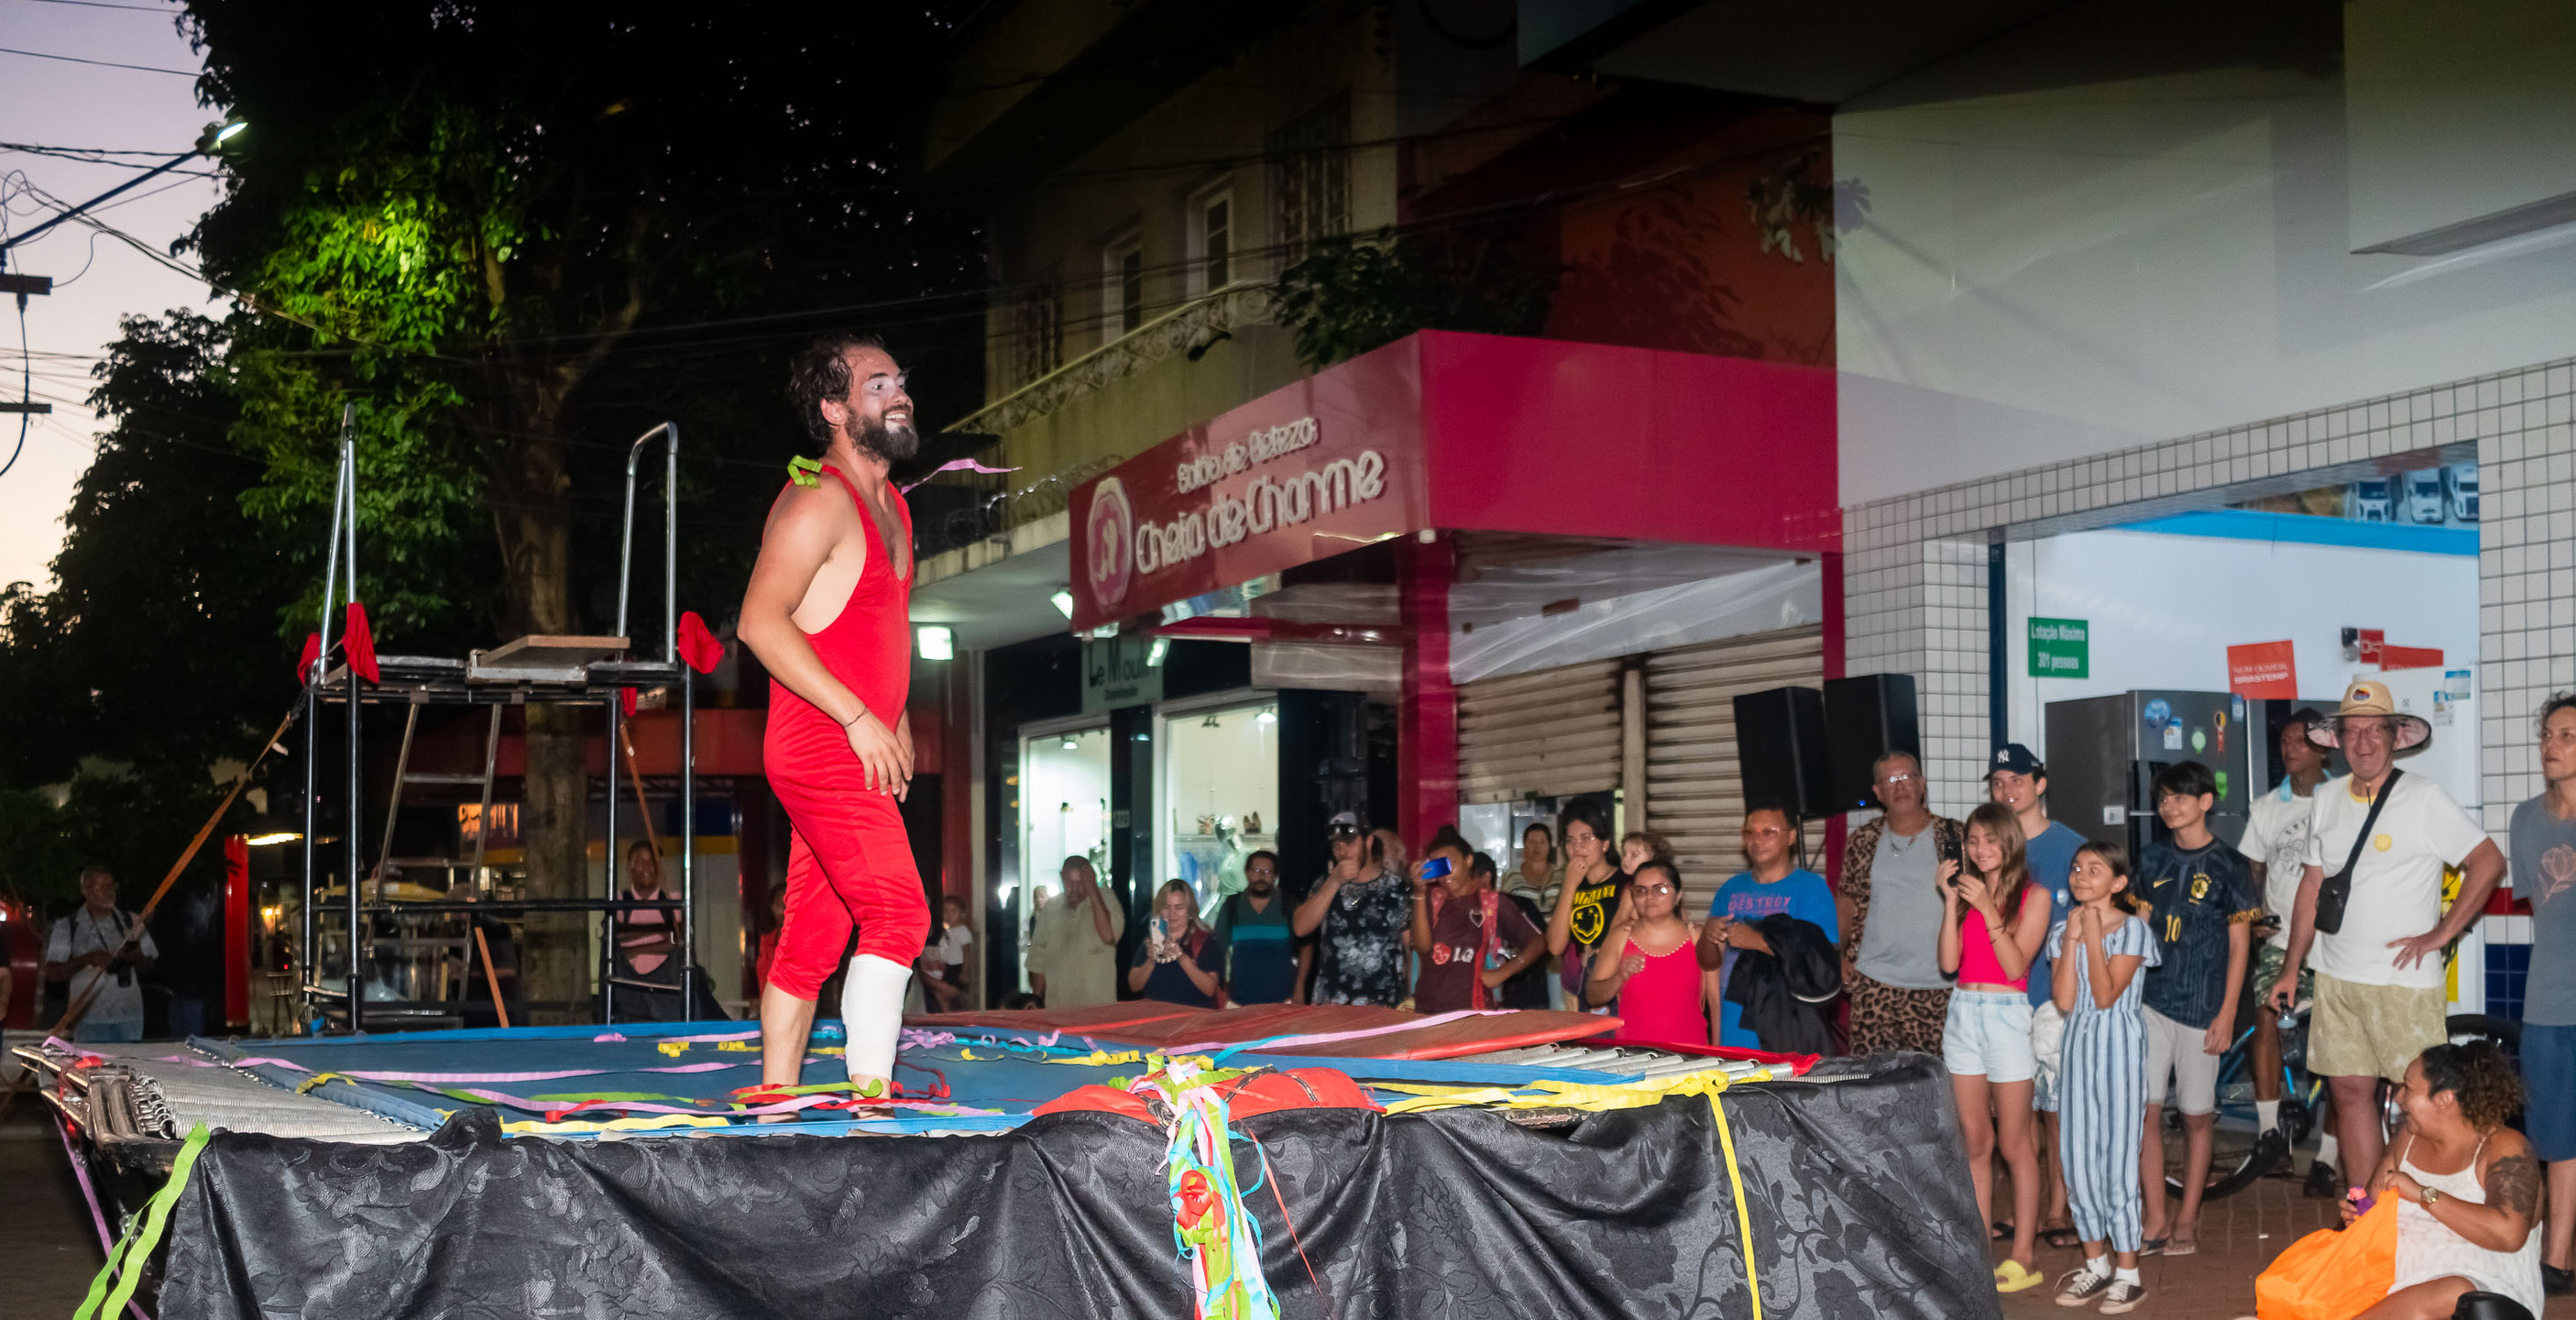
(674, 1048)
(738, 1047)
(309, 1084)
(1623, 1095)
(658, 1121)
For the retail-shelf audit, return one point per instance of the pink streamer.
(80, 1169)
(1328, 1037)
(959, 465)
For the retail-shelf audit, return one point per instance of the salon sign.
(1221, 505)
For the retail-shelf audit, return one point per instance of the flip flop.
(2152, 1247)
(2002, 1231)
(2062, 1239)
(2012, 1277)
(2183, 1246)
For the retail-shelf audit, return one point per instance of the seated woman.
(2468, 1185)
(1181, 958)
(1651, 964)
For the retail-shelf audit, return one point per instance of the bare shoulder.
(2512, 1175)
(813, 518)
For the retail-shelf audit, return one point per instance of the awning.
(1464, 432)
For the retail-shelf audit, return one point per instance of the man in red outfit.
(827, 613)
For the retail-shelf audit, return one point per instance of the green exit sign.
(2061, 648)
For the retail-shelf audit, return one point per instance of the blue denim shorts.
(2549, 1090)
(1988, 1034)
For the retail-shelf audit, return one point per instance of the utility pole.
(26, 286)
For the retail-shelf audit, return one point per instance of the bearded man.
(827, 612)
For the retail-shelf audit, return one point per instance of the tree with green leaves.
(162, 644)
(513, 236)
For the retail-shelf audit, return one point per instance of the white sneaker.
(2082, 1286)
(2123, 1297)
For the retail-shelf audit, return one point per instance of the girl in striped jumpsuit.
(2102, 1074)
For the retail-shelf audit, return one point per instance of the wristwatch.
(2431, 1194)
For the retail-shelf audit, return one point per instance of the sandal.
(2062, 1239)
(2152, 1247)
(2002, 1231)
(2183, 1245)
(2012, 1276)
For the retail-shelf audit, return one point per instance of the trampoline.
(1015, 1171)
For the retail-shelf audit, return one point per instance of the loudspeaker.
(1780, 747)
(1866, 717)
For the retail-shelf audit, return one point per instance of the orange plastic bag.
(2333, 1276)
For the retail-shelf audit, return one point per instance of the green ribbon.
(805, 471)
(139, 1241)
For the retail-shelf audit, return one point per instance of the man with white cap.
(2370, 908)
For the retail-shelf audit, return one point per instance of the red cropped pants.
(849, 865)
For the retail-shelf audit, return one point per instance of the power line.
(104, 64)
(109, 4)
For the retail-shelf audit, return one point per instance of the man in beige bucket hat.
(2380, 989)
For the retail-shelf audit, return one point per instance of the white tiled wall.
(1914, 567)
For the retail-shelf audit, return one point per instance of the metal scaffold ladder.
(539, 669)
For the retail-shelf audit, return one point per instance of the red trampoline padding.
(1264, 1092)
(1463, 1037)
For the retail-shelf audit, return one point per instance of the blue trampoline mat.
(419, 1078)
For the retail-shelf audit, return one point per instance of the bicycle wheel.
(2237, 1153)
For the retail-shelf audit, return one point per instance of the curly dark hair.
(819, 371)
(2489, 1089)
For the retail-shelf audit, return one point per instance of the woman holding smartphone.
(1993, 920)
(1180, 959)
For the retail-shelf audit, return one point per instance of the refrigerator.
(2104, 754)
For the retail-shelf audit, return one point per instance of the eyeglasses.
(1654, 889)
(1893, 780)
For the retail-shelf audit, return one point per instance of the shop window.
(1123, 279)
(1064, 812)
(1212, 241)
(1220, 794)
(1311, 175)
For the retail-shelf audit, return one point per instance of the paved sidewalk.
(2239, 1235)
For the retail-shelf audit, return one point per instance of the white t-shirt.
(2396, 884)
(2277, 836)
(952, 945)
(82, 934)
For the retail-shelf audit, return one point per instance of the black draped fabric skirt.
(1858, 1192)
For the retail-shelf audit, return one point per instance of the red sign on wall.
(1300, 474)
(2263, 670)
(2409, 657)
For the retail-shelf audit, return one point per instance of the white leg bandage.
(871, 1014)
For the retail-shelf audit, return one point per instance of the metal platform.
(540, 669)
(135, 1109)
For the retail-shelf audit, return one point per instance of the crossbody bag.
(2336, 893)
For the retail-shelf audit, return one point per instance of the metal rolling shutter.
(1547, 732)
(1694, 786)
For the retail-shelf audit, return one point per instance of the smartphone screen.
(1435, 868)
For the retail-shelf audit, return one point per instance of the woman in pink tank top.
(1993, 920)
(1661, 991)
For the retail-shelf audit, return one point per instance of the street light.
(214, 136)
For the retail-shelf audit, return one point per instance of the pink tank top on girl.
(1978, 964)
(1663, 1002)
